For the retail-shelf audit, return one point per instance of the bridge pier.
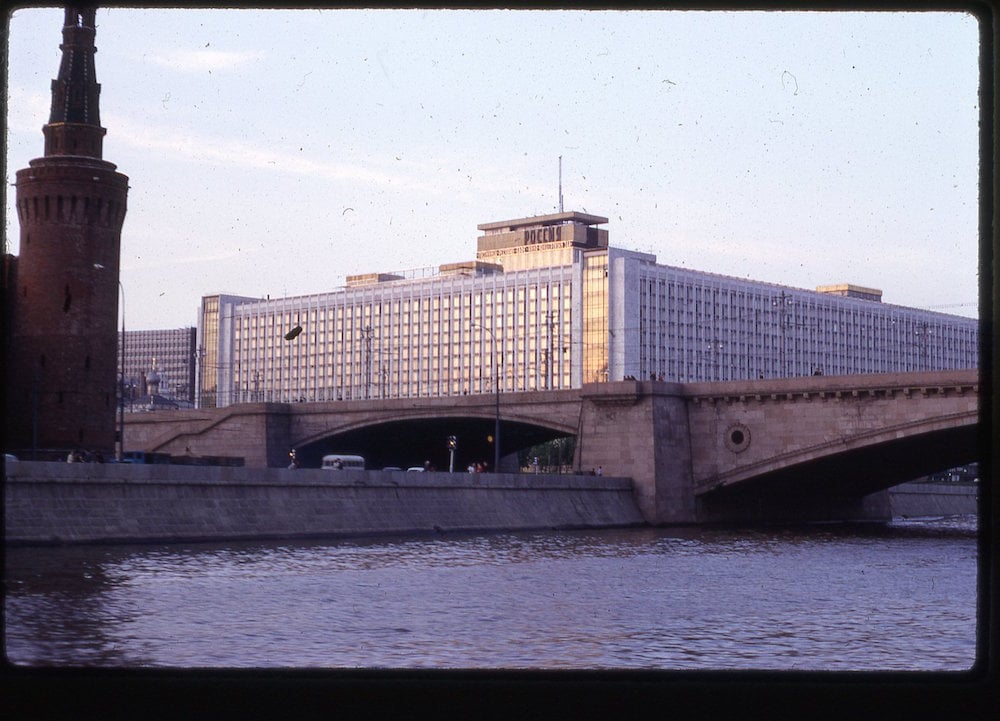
(628, 429)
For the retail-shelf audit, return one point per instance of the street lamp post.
(121, 393)
(496, 417)
(496, 393)
(121, 380)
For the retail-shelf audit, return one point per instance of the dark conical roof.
(74, 126)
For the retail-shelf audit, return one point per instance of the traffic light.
(452, 443)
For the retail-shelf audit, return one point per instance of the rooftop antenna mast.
(560, 185)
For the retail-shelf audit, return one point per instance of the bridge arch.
(415, 438)
(823, 478)
(882, 447)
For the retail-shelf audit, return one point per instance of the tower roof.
(74, 126)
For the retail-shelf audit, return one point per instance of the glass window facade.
(399, 339)
(594, 341)
(208, 352)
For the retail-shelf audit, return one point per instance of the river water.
(895, 597)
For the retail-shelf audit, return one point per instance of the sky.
(274, 152)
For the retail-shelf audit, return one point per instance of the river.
(841, 597)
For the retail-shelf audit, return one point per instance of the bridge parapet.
(805, 395)
(803, 388)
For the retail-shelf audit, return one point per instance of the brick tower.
(71, 206)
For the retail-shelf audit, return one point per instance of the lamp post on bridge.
(496, 393)
(121, 389)
(121, 381)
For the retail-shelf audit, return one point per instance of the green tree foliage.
(555, 456)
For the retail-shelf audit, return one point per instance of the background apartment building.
(159, 363)
(548, 304)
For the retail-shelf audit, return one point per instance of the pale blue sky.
(274, 152)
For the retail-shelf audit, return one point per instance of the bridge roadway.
(805, 448)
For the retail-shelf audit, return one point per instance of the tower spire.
(74, 126)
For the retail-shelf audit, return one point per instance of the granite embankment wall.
(83, 502)
(915, 500)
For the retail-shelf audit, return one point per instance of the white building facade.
(690, 326)
(547, 304)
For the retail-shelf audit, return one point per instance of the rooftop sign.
(561, 229)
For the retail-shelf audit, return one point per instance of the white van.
(343, 461)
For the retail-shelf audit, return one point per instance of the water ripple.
(816, 599)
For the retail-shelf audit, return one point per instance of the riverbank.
(52, 503)
(922, 500)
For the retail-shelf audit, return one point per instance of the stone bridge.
(783, 449)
